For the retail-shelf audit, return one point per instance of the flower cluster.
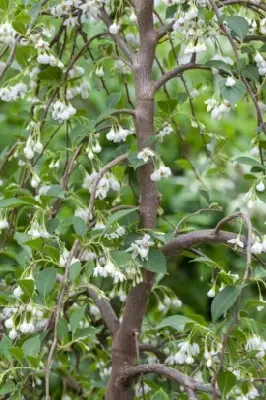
(261, 64)
(7, 34)
(106, 268)
(12, 93)
(22, 319)
(161, 173)
(62, 112)
(218, 109)
(38, 231)
(83, 213)
(105, 184)
(119, 232)
(118, 134)
(255, 343)
(185, 354)
(193, 28)
(167, 130)
(141, 247)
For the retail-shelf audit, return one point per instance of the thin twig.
(57, 316)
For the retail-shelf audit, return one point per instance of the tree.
(97, 95)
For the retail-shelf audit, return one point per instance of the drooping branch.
(117, 38)
(194, 238)
(130, 373)
(10, 59)
(246, 3)
(177, 71)
(109, 317)
(101, 173)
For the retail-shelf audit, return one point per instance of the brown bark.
(125, 341)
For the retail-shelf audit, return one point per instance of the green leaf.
(238, 25)
(226, 381)
(17, 353)
(5, 346)
(251, 72)
(156, 262)
(234, 93)
(170, 11)
(51, 75)
(160, 395)
(168, 106)
(32, 346)
(76, 317)
(248, 161)
(74, 270)
(62, 330)
(113, 100)
(55, 191)
(35, 244)
(80, 226)
(27, 285)
(224, 300)
(15, 202)
(118, 215)
(177, 322)
(45, 281)
(219, 65)
(4, 4)
(8, 387)
(121, 258)
(23, 54)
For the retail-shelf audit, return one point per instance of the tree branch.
(109, 317)
(194, 238)
(57, 316)
(240, 2)
(130, 373)
(175, 72)
(117, 38)
(10, 59)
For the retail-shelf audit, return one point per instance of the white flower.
(9, 323)
(38, 231)
(236, 241)
(260, 187)
(13, 334)
(3, 224)
(133, 17)
(141, 247)
(64, 259)
(62, 112)
(256, 247)
(114, 28)
(194, 93)
(211, 292)
(167, 130)
(118, 135)
(18, 292)
(35, 180)
(145, 154)
(263, 26)
(254, 151)
(230, 82)
(99, 71)
(160, 173)
(83, 213)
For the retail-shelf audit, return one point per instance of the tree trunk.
(125, 342)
